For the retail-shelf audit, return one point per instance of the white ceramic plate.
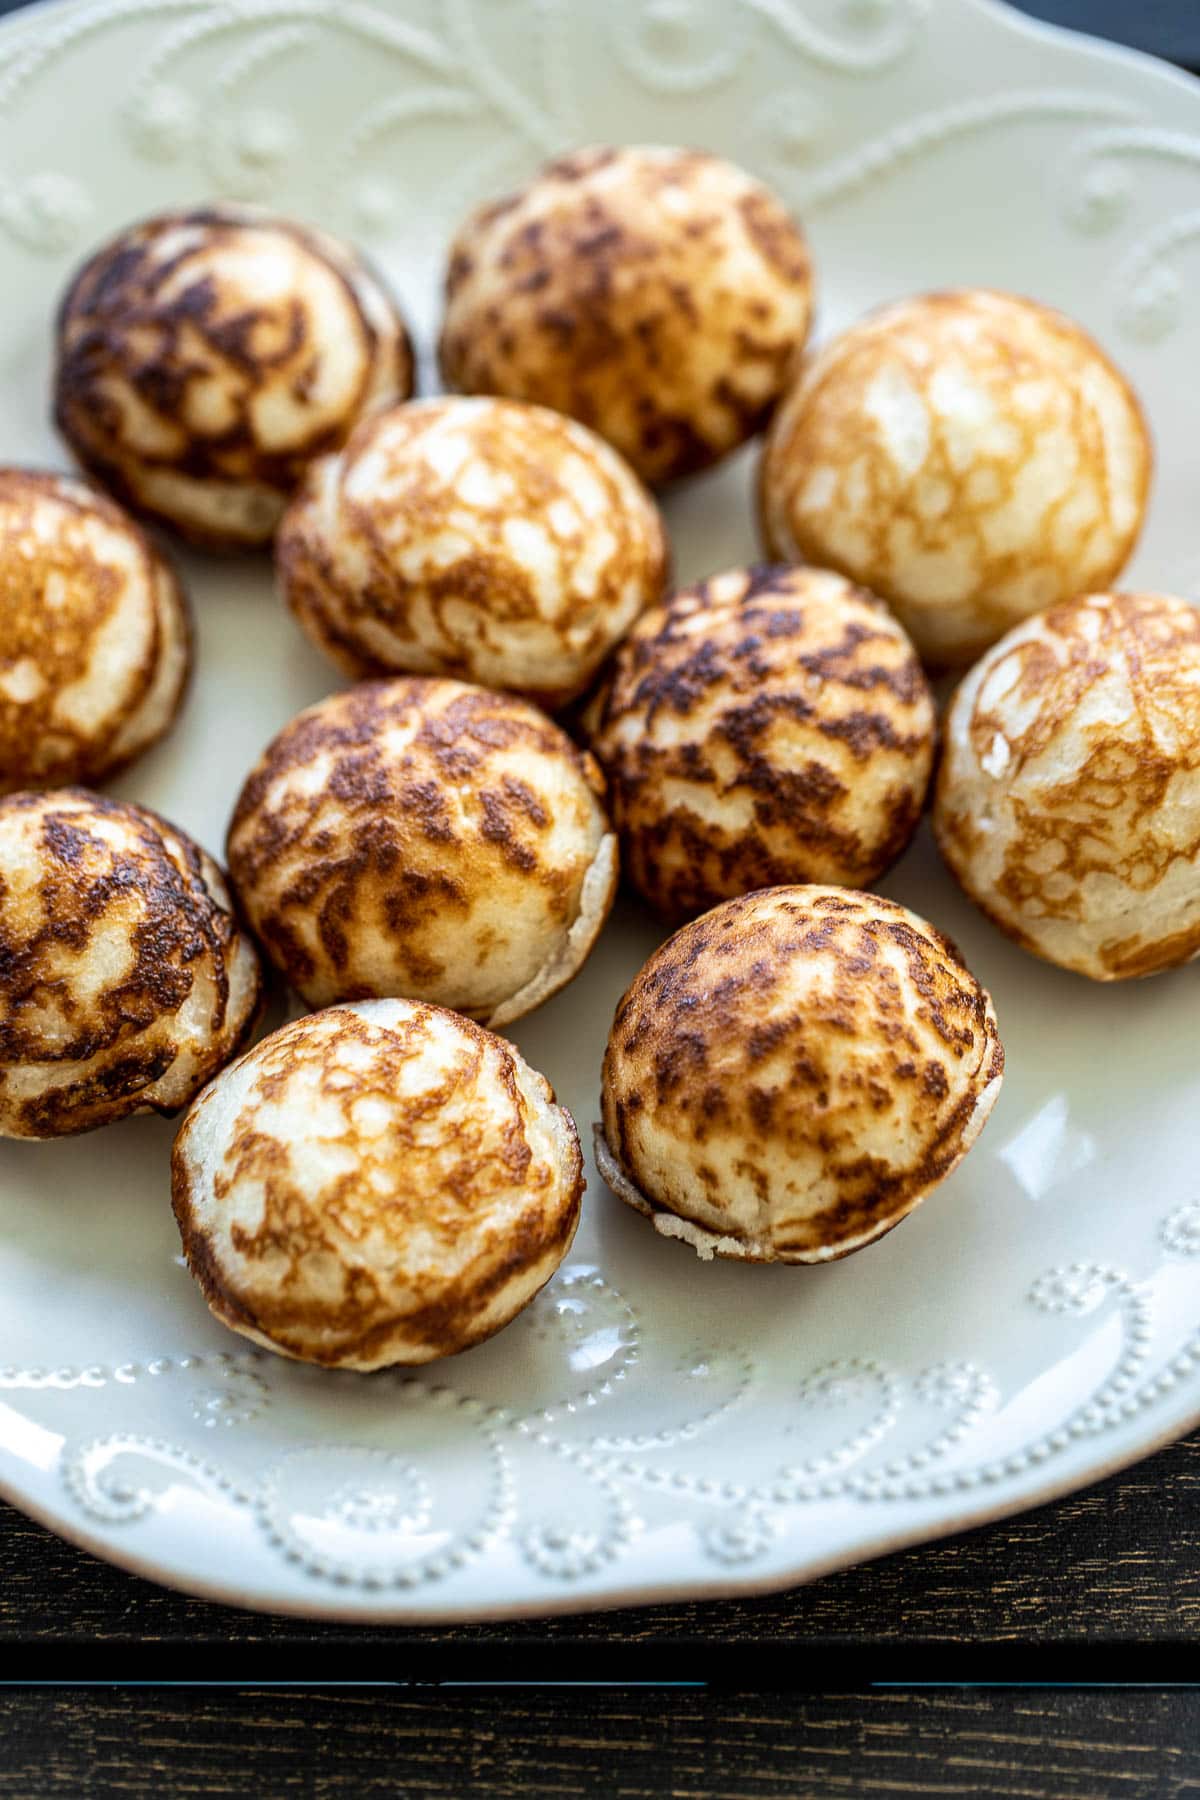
(652, 1426)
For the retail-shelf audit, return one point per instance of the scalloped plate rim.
(335, 1605)
(615, 1599)
(1023, 24)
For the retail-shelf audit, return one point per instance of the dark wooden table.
(1104, 1585)
(528, 1745)
(1113, 1573)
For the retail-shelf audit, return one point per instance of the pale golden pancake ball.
(427, 839)
(126, 981)
(203, 358)
(791, 1074)
(970, 456)
(95, 635)
(1068, 799)
(375, 1184)
(660, 296)
(767, 726)
(480, 538)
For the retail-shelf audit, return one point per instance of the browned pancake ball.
(205, 357)
(660, 296)
(95, 638)
(971, 456)
(125, 979)
(767, 726)
(791, 1074)
(426, 839)
(376, 1184)
(1068, 800)
(474, 537)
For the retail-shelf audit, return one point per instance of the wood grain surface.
(528, 1745)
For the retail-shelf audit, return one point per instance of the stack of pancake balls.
(951, 485)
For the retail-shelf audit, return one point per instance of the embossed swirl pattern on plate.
(572, 1492)
(193, 99)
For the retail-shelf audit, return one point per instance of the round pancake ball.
(376, 1184)
(791, 1074)
(970, 456)
(480, 538)
(126, 981)
(205, 357)
(95, 637)
(427, 839)
(767, 726)
(660, 296)
(1068, 799)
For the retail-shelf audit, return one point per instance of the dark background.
(1169, 28)
(1101, 1587)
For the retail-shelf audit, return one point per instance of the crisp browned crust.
(197, 387)
(373, 1185)
(424, 838)
(971, 456)
(480, 538)
(95, 635)
(1068, 800)
(766, 726)
(125, 979)
(660, 296)
(791, 1074)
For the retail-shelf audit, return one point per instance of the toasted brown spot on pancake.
(660, 296)
(126, 981)
(205, 357)
(478, 538)
(767, 726)
(427, 839)
(95, 635)
(758, 1091)
(1068, 800)
(971, 456)
(376, 1184)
